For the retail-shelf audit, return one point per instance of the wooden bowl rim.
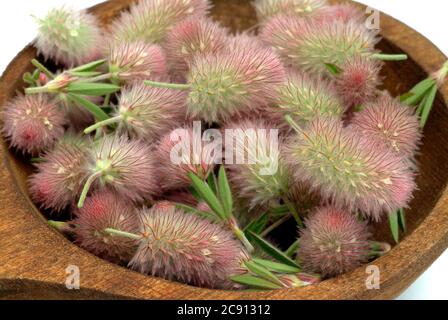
(103, 276)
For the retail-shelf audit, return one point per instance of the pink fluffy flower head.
(190, 38)
(130, 61)
(309, 45)
(59, 178)
(266, 9)
(151, 20)
(334, 242)
(388, 123)
(358, 81)
(178, 155)
(262, 175)
(350, 171)
(69, 37)
(33, 123)
(234, 81)
(183, 247)
(123, 165)
(341, 12)
(305, 98)
(102, 211)
(147, 113)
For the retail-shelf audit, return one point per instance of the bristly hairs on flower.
(69, 37)
(266, 9)
(33, 124)
(345, 12)
(151, 20)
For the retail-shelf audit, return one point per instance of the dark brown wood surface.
(33, 257)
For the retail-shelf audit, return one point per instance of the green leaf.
(255, 282)
(293, 248)
(211, 180)
(279, 211)
(195, 194)
(258, 225)
(394, 228)
(225, 194)
(402, 220)
(406, 96)
(428, 103)
(203, 214)
(91, 89)
(334, 69)
(416, 94)
(207, 194)
(97, 112)
(89, 66)
(277, 267)
(28, 78)
(273, 251)
(85, 74)
(262, 272)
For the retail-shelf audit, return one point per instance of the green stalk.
(36, 90)
(274, 226)
(99, 78)
(87, 186)
(123, 234)
(177, 86)
(103, 124)
(242, 237)
(42, 68)
(293, 210)
(389, 57)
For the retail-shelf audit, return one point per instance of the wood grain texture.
(33, 257)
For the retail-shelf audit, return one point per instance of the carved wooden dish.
(34, 257)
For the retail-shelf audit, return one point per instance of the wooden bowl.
(34, 257)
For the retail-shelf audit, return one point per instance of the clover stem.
(122, 234)
(390, 57)
(87, 186)
(103, 124)
(177, 86)
(293, 210)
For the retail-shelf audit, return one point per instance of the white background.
(426, 16)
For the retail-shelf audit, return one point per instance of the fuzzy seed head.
(33, 123)
(350, 171)
(358, 82)
(131, 61)
(266, 9)
(148, 112)
(342, 12)
(69, 37)
(178, 154)
(233, 82)
(334, 242)
(151, 20)
(388, 123)
(125, 166)
(59, 179)
(183, 247)
(258, 172)
(309, 45)
(190, 38)
(305, 99)
(102, 211)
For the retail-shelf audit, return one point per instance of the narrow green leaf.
(273, 251)
(258, 225)
(92, 89)
(89, 66)
(334, 69)
(427, 106)
(203, 214)
(211, 180)
(85, 74)
(394, 228)
(195, 194)
(255, 282)
(293, 248)
(207, 194)
(406, 96)
(402, 220)
(262, 272)
(277, 267)
(97, 112)
(225, 194)
(417, 93)
(279, 211)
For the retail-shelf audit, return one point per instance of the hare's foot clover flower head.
(131, 61)
(305, 98)
(233, 82)
(59, 178)
(122, 165)
(33, 123)
(184, 247)
(334, 242)
(258, 172)
(151, 20)
(180, 152)
(69, 37)
(349, 170)
(358, 81)
(341, 12)
(193, 37)
(310, 45)
(146, 113)
(299, 8)
(101, 211)
(390, 124)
